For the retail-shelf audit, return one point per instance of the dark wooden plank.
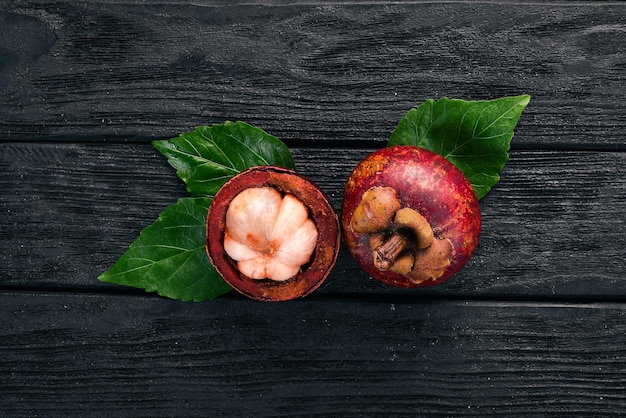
(553, 226)
(80, 355)
(306, 72)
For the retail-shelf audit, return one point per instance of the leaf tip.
(524, 99)
(159, 144)
(102, 277)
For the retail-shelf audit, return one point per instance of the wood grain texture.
(553, 226)
(307, 72)
(533, 326)
(93, 355)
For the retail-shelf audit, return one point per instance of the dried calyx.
(401, 239)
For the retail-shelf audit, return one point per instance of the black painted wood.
(140, 356)
(552, 227)
(534, 325)
(307, 72)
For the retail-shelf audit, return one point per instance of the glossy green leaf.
(473, 135)
(209, 156)
(169, 257)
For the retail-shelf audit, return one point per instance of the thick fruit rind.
(417, 175)
(321, 212)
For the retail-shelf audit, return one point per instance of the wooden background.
(534, 325)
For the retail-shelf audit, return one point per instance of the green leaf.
(169, 257)
(474, 136)
(209, 156)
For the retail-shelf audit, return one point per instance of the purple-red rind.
(417, 175)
